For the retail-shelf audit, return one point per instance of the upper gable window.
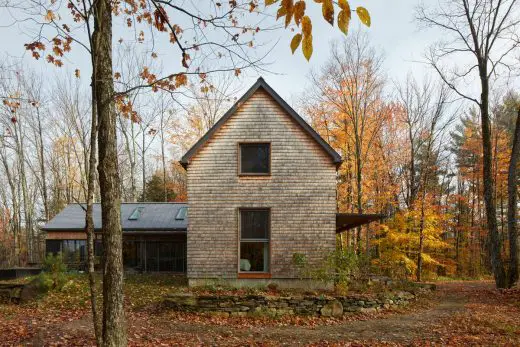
(255, 159)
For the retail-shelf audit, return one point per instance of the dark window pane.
(132, 254)
(53, 246)
(254, 256)
(152, 259)
(254, 158)
(82, 248)
(165, 256)
(254, 224)
(98, 248)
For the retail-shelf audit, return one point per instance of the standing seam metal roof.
(154, 217)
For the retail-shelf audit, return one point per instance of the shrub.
(339, 266)
(53, 275)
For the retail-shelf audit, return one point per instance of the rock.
(182, 299)
(367, 310)
(332, 309)
(30, 291)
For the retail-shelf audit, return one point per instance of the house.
(261, 188)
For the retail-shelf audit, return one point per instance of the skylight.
(181, 214)
(136, 214)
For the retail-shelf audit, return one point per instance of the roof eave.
(124, 229)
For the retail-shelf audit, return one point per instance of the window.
(136, 214)
(53, 246)
(73, 251)
(255, 159)
(254, 240)
(181, 214)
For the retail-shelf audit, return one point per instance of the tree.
(155, 189)
(350, 88)
(512, 205)
(484, 30)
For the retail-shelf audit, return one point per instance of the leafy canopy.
(295, 12)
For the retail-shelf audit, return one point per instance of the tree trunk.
(512, 178)
(460, 191)
(489, 196)
(89, 218)
(114, 331)
(163, 158)
(29, 230)
(143, 163)
(359, 187)
(42, 167)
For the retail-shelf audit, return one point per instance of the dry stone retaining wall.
(326, 306)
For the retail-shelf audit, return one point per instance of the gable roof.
(154, 217)
(261, 83)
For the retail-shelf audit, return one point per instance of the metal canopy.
(346, 221)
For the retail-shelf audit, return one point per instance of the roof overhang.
(346, 221)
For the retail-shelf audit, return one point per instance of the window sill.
(253, 275)
(254, 175)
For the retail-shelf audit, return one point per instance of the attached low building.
(154, 235)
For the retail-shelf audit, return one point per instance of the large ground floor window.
(255, 225)
(73, 251)
(147, 253)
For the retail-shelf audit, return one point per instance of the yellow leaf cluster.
(296, 11)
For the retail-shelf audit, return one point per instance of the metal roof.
(154, 217)
(346, 221)
(261, 83)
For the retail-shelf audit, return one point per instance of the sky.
(393, 32)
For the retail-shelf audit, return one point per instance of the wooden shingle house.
(261, 187)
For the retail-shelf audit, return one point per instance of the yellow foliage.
(398, 241)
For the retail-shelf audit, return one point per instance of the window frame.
(254, 274)
(239, 161)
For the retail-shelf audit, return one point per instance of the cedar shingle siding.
(301, 192)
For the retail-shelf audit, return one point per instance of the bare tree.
(484, 30)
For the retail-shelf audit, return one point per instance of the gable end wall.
(301, 193)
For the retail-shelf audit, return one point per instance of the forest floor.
(457, 313)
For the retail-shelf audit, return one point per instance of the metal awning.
(346, 221)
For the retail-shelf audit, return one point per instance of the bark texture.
(489, 183)
(114, 332)
(512, 204)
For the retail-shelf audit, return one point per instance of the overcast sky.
(393, 31)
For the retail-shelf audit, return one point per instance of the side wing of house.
(247, 217)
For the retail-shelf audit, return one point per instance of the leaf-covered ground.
(459, 313)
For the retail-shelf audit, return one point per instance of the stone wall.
(19, 293)
(245, 305)
(10, 293)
